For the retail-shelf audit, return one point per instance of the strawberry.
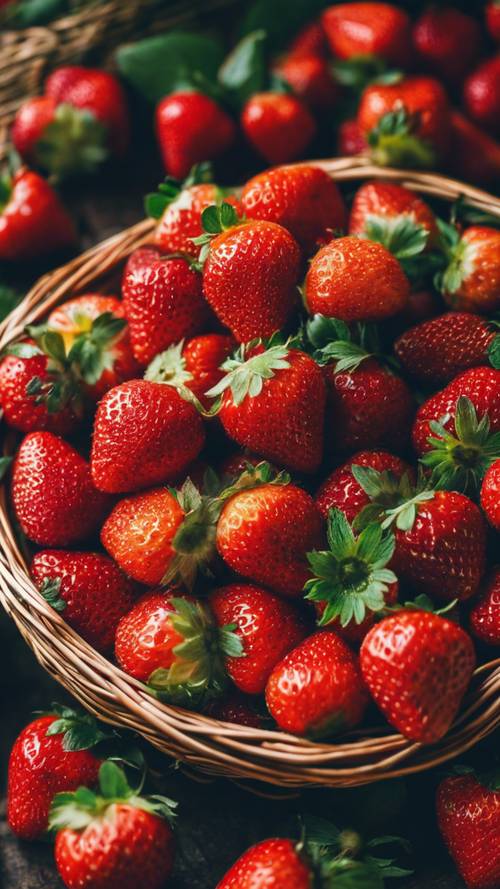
(55, 502)
(113, 838)
(485, 614)
(88, 589)
(267, 627)
(476, 155)
(468, 815)
(341, 490)
(250, 273)
(361, 29)
(406, 124)
(279, 126)
(32, 219)
(51, 754)
(236, 708)
(383, 210)
(355, 280)
(447, 43)
(490, 494)
(310, 79)
(493, 19)
(272, 402)
(274, 862)
(438, 350)
(163, 301)
(317, 690)
(471, 281)
(301, 198)
(144, 433)
(481, 95)
(191, 127)
(195, 364)
(309, 41)
(417, 666)
(350, 139)
(265, 531)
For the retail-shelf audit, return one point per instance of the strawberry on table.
(272, 862)
(195, 364)
(33, 221)
(368, 29)
(471, 281)
(447, 43)
(279, 126)
(490, 494)
(341, 490)
(191, 127)
(485, 614)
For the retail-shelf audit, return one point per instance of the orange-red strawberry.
(267, 626)
(379, 209)
(468, 815)
(88, 589)
(355, 280)
(275, 862)
(490, 495)
(54, 498)
(476, 154)
(163, 301)
(191, 127)
(278, 125)
(360, 29)
(471, 281)
(310, 78)
(317, 689)
(32, 219)
(481, 94)
(144, 433)
(417, 666)
(350, 139)
(447, 43)
(341, 490)
(493, 19)
(301, 198)
(485, 614)
(195, 364)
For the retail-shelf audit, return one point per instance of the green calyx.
(245, 376)
(80, 730)
(489, 778)
(401, 235)
(51, 592)
(332, 340)
(169, 190)
(169, 367)
(494, 351)
(459, 460)
(5, 191)
(422, 603)
(351, 577)
(460, 257)
(92, 351)
(393, 500)
(74, 142)
(360, 71)
(215, 219)
(393, 142)
(77, 810)
(5, 463)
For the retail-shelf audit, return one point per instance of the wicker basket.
(220, 748)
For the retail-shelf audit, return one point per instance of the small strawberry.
(317, 690)
(311, 80)
(493, 19)
(490, 495)
(485, 614)
(33, 221)
(236, 708)
(384, 212)
(341, 490)
(279, 126)
(195, 364)
(88, 589)
(468, 814)
(481, 95)
(113, 838)
(355, 280)
(361, 29)
(471, 281)
(350, 139)
(309, 41)
(447, 43)
(417, 666)
(163, 301)
(476, 155)
(54, 498)
(191, 127)
(267, 627)
(301, 198)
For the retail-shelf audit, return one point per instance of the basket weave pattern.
(236, 751)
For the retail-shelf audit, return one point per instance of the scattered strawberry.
(279, 126)
(32, 219)
(471, 282)
(195, 364)
(481, 94)
(493, 19)
(485, 614)
(272, 862)
(350, 139)
(360, 29)
(379, 212)
(190, 128)
(476, 155)
(341, 490)
(310, 78)
(490, 494)
(447, 43)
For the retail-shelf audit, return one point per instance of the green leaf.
(494, 352)
(27, 13)
(360, 71)
(113, 782)
(340, 534)
(51, 592)
(4, 466)
(23, 350)
(9, 297)
(244, 72)
(245, 377)
(320, 832)
(280, 19)
(401, 235)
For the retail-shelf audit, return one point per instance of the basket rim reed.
(201, 742)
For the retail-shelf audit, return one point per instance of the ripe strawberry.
(493, 19)
(273, 403)
(114, 838)
(341, 490)
(235, 708)
(55, 502)
(380, 209)
(279, 126)
(267, 627)
(301, 198)
(275, 862)
(310, 78)
(265, 531)
(481, 94)
(32, 219)
(163, 301)
(309, 41)
(350, 139)
(471, 282)
(417, 667)
(490, 494)
(468, 814)
(438, 350)
(476, 155)
(447, 43)
(88, 589)
(317, 690)
(144, 433)
(51, 754)
(360, 29)
(195, 364)
(485, 614)
(355, 280)
(191, 127)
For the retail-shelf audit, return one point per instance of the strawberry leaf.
(401, 235)
(244, 71)
(245, 377)
(361, 70)
(393, 142)
(4, 466)
(494, 352)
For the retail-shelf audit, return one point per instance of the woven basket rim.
(240, 752)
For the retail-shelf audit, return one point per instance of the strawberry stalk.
(246, 375)
(393, 500)
(215, 219)
(169, 190)
(393, 142)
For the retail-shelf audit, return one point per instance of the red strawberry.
(438, 350)
(317, 690)
(273, 403)
(195, 364)
(55, 502)
(88, 589)
(485, 614)
(380, 208)
(32, 219)
(310, 78)
(309, 41)
(417, 667)
(493, 19)
(476, 155)
(163, 301)
(447, 43)
(236, 708)
(279, 126)
(490, 494)
(50, 755)
(341, 490)
(267, 627)
(350, 139)
(471, 282)
(481, 94)
(264, 533)
(115, 838)
(303, 199)
(190, 128)
(144, 434)
(355, 280)
(468, 814)
(271, 863)
(360, 29)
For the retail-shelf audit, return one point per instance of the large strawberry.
(471, 281)
(191, 127)
(368, 29)
(278, 125)
(301, 198)
(274, 861)
(54, 498)
(310, 77)
(341, 490)
(481, 95)
(32, 219)
(394, 216)
(490, 494)
(417, 666)
(195, 364)
(88, 589)
(485, 614)
(447, 43)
